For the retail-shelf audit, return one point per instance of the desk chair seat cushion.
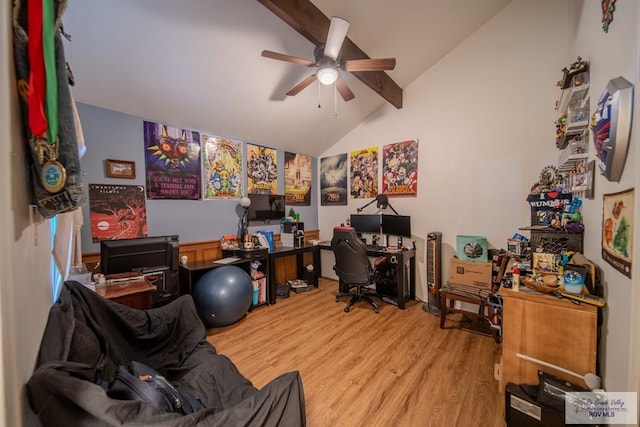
(87, 337)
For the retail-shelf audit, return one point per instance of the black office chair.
(352, 266)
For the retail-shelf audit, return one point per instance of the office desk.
(284, 251)
(193, 271)
(405, 262)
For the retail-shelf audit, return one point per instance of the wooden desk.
(135, 293)
(549, 329)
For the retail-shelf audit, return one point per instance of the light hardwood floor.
(395, 368)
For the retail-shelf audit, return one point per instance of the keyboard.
(375, 247)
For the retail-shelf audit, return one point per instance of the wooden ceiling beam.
(304, 17)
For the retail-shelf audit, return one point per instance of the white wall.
(611, 55)
(484, 117)
(25, 292)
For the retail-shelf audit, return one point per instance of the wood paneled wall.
(286, 267)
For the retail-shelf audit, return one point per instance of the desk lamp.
(245, 202)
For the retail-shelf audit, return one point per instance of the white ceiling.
(196, 64)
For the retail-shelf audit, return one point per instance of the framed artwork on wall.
(617, 230)
(120, 169)
(611, 127)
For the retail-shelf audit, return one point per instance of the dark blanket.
(87, 337)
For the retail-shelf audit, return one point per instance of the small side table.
(461, 293)
(136, 293)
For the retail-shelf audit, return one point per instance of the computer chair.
(352, 266)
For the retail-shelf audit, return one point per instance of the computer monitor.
(396, 225)
(266, 207)
(155, 257)
(366, 223)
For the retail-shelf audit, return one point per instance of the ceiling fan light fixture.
(327, 75)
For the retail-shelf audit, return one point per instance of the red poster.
(117, 212)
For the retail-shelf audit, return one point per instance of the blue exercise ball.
(223, 295)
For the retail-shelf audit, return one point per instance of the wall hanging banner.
(117, 212)
(222, 174)
(172, 158)
(297, 179)
(400, 168)
(617, 230)
(333, 180)
(262, 170)
(364, 173)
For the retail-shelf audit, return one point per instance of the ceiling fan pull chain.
(335, 100)
(319, 106)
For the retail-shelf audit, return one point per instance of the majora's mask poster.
(297, 179)
(262, 170)
(172, 158)
(117, 212)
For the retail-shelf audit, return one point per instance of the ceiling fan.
(328, 61)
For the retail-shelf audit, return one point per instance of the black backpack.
(137, 381)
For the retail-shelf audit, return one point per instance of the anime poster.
(297, 179)
(333, 180)
(400, 168)
(364, 173)
(117, 212)
(221, 168)
(172, 158)
(262, 170)
(617, 230)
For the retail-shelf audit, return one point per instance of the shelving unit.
(260, 274)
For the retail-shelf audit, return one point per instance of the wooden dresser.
(546, 328)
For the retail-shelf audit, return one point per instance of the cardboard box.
(471, 273)
(472, 248)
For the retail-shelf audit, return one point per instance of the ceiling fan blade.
(286, 58)
(379, 64)
(305, 17)
(337, 32)
(343, 89)
(306, 82)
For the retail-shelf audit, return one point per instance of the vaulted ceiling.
(197, 64)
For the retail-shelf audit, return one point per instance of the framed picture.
(617, 230)
(121, 169)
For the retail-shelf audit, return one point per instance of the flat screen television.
(155, 257)
(369, 223)
(266, 207)
(396, 225)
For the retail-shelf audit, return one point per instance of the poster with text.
(364, 173)
(617, 230)
(297, 179)
(221, 168)
(172, 158)
(117, 212)
(262, 170)
(400, 169)
(333, 180)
